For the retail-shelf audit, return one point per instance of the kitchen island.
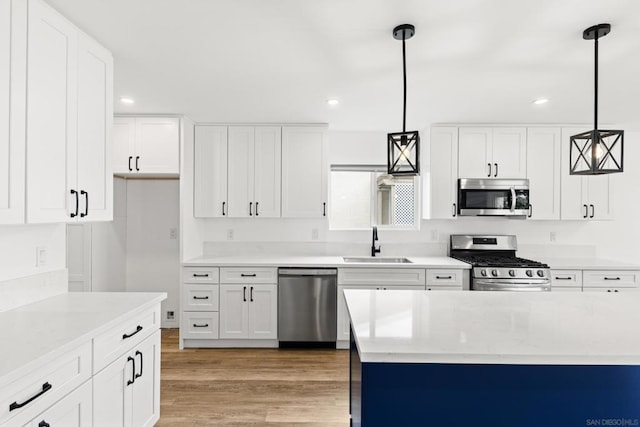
(494, 358)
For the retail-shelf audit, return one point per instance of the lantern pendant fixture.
(596, 152)
(403, 148)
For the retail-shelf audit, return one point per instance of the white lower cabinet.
(610, 280)
(127, 392)
(566, 280)
(249, 311)
(74, 410)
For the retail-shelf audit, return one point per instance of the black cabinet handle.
(496, 174)
(137, 160)
(45, 388)
(489, 174)
(443, 277)
(611, 278)
(43, 423)
(138, 329)
(195, 325)
(130, 158)
(133, 370)
(73, 215)
(138, 353)
(257, 209)
(244, 293)
(250, 208)
(247, 275)
(86, 203)
(200, 275)
(593, 211)
(562, 278)
(251, 294)
(586, 211)
(530, 210)
(200, 297)
(455, 210)
(223, 212)
(324, 208)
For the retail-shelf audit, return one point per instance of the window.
(363, 196)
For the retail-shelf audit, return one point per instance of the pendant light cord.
(595, 107)
(404, 77)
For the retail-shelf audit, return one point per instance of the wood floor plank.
(252, 387)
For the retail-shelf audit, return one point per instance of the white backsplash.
(25, 290)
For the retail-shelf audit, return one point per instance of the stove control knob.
(540, 273)
(483, 272)
(494, 273)
(529, 273)
(512, 273)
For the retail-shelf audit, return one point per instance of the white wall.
(611, 239)
(152, 252)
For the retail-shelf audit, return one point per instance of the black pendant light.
(596, 152)
(403, 148)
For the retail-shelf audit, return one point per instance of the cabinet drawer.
(248, 275)
(199, 325)
(437, 287)
(44, 386)
(437, 277)
(121, 338)
(611, 289)
(566, 279)
(196, 297)
(200, 275)
(74, 410)
(610, 279)
(381, 276)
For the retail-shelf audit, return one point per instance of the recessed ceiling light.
(540, 101)
(127, 100)
(333, 102)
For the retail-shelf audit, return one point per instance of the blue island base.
(412, 394)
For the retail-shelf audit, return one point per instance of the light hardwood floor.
(252, 387)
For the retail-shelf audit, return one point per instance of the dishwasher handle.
(292, 272)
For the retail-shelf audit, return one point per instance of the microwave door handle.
(513, 199)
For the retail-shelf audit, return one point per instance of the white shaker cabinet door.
(95, 118)
(509, 153)
(145, 399)
(112, 394)
(240, 170)
(474, 148)
(234, 311)
(543, 170)
(601, 196)
(263, 311)
(124, 137)
(574, 203)
(210, 172)
(51, 115)
(304, 172)
(13, 61)
(444, 172)
(74, 410)
(157, 145)
(267, 176)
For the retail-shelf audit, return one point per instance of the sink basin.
(377, 260)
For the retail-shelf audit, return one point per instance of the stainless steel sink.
(377, 260)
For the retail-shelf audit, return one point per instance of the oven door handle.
(483, 285)
(513, 199)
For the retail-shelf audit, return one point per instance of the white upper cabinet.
(240, 172)
(492, 152)
(210, 172)
(13, 37)
(147, 145)
(543, 171)
(444, 172)
(304, 172)
(584, 197)
(267, 176)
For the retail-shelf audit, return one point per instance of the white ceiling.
(280, 60)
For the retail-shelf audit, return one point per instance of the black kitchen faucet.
(374, 238)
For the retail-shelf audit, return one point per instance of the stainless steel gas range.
(496, 266)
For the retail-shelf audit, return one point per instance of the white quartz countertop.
(496, 327)
(39, 331)
(321, 261)
(587, 264)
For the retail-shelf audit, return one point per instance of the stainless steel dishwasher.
(307, 307)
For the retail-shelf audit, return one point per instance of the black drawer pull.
(563, 278)
(207, 297)
(43, 423)
(443, 277)
(248, 275)
(45, 388)
(200, 275)
(138, 329)
(195, 325)
(611, 278)
(133, 370)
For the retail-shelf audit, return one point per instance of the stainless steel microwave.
(493, 197)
